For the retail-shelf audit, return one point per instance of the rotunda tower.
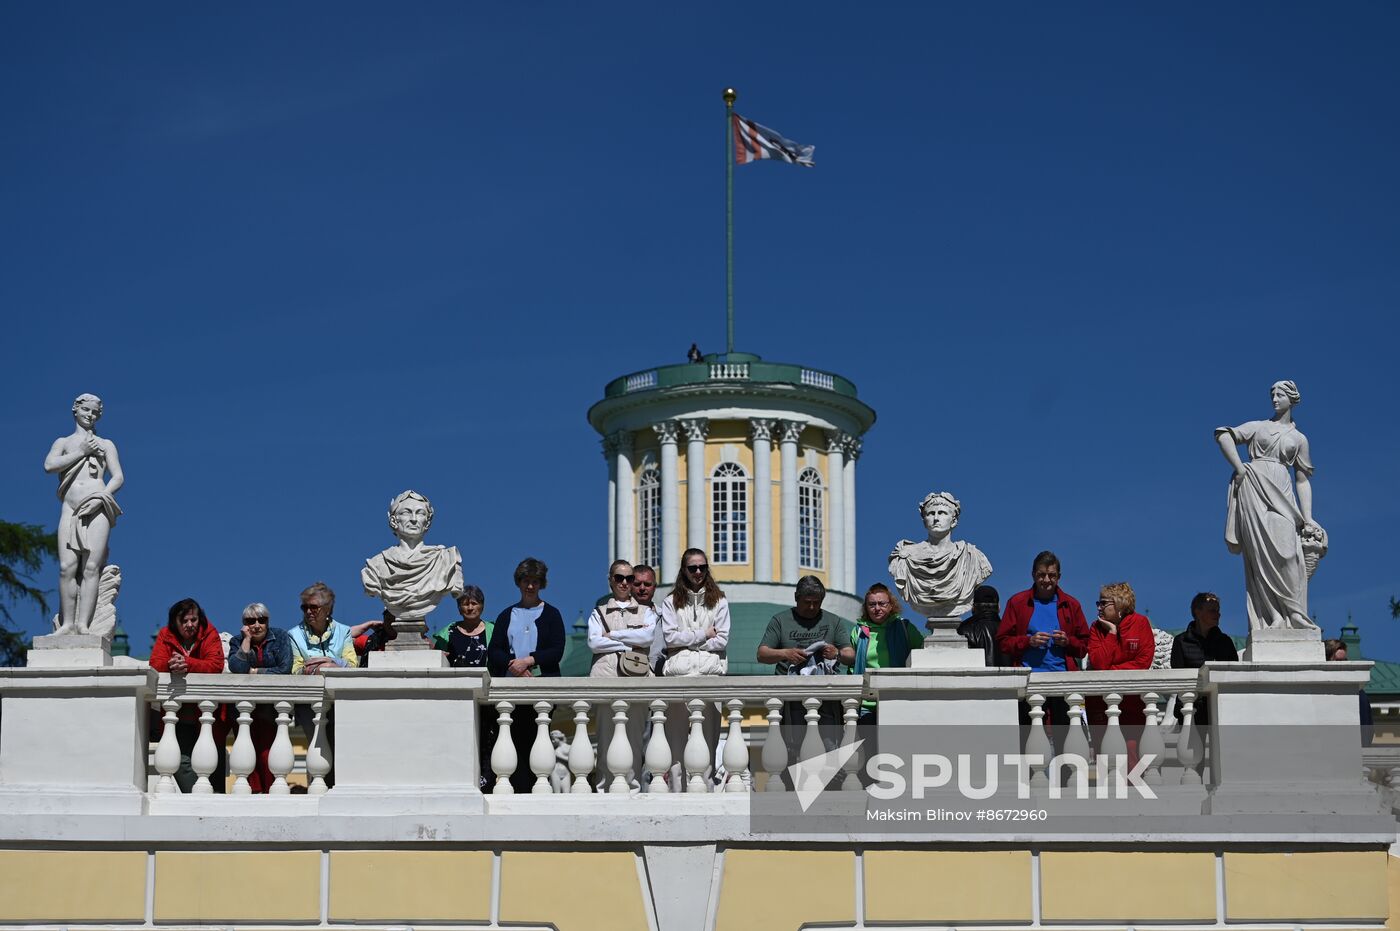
(752, 461)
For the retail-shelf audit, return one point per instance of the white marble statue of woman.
(1265, 523)
(937, 576)
(87, 514)
(412, 577)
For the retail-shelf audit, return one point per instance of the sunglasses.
(260, 621)
(623, 578)
(701, 568)
(1103, 603)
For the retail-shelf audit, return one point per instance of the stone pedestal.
(1284, 645)
(1286, 738)
(405, 740)
(945, 648)
(74, 740)
(917, 696)
(68, 651)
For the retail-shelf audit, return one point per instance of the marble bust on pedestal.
(937, 576)
(412, 577)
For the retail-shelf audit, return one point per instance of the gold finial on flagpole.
(730, 95)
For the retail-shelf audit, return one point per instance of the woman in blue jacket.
(260, 648)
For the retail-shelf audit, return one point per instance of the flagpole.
(730, 95)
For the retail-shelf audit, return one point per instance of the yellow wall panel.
(1392, 883)
(72, 885)
(1315, 885)
(938, 886)
(197, 886)
(410, 885)
(778, 890)
(587, 891)
(1133, 886)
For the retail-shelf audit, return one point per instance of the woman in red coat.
(189, 643)
(1119, 638)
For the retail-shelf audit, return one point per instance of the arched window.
(810, 536)
(649, 516)
(729, 506)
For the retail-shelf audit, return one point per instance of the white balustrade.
(1038, 744)
(1188, 746)
(641, 381)
(729, 370)
(542, 750)
(694, 759)
(244, 695)
(850, 711)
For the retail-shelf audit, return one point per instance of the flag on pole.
(753, 142)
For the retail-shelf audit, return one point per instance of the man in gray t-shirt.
(785, 644)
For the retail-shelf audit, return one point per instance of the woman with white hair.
(260, 648)
(1265, 523)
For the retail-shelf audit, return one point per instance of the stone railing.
(1154, 686)
(242, 694)
(817, 379)
(641, 381)
(615, 708)
(729, 371)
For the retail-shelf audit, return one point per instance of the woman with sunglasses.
(695, 626)
(1120, 638)
(260, 648)
(620, 633)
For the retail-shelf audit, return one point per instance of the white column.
(696, 525)
(666, 432)
(610, 456)
(624, 544)
(836, 512)
(852, 454)
(789, 431)
(762, 499)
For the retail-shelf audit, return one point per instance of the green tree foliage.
(23, 551)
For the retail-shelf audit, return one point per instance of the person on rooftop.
(260, 648)
(1043, 629)
(187, 644)
(1202, 642)
(695, 628)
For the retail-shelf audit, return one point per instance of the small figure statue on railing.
(1264, 522)
(412, 577)
(937, 576)
(88, 512)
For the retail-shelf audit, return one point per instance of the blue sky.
(313, 255)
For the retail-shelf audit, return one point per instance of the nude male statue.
(88, 512)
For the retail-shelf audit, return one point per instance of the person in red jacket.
(189, 643)
(1043, 629)
(1120, 639)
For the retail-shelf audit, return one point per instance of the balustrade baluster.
(620, 755)
(503, 756)
(1188, 745)
(318, 749)
(1038, 743)
(1152, 747)
(658, 753)
(774, 747)
(581, 754)
(850, 711)
(168, 749)
(542, 750)
(204, 759)
(1076, 739)
(698, 754)
(811, 746)
(1114, 747)
(736, 750)
(280, 756)
(242, 758)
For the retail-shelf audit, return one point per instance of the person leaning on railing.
(882, 639)
(1043, 628)
(1120, 638)
(188, 643)
(260, 648)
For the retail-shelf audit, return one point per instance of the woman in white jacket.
(695, 625)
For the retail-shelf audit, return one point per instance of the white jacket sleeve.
(719, 643)
(671, 626)
(598, 641)
(639, 638)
